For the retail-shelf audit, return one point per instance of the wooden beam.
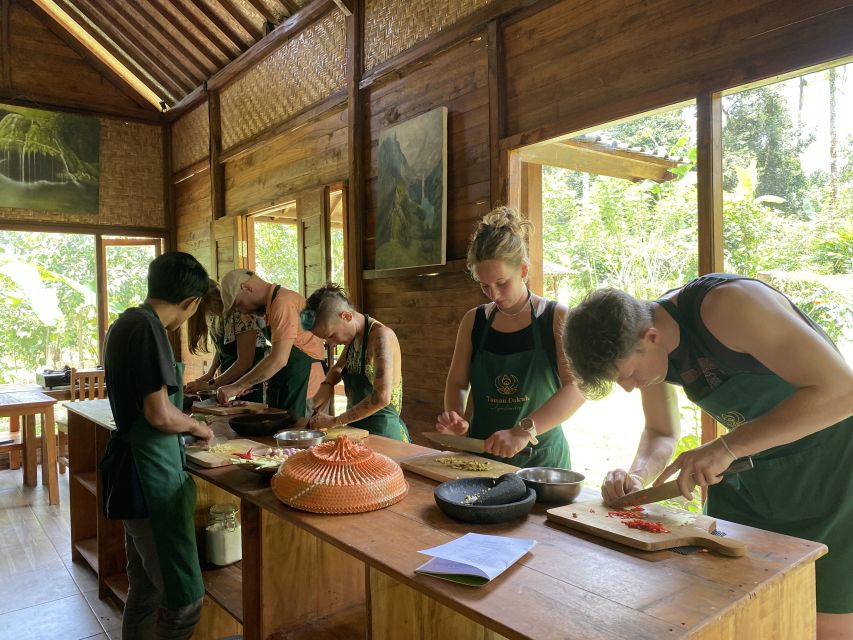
(289, 6)
(82, 107)
(171, 47)
(89, 229)
(263, 10)
(119, 28)
(188, 172)
(168, 190)
(192, 99)
(299, 119)
(255, 32)
(221, 25)
(709, 183)
(85, 53)
(497, 181)
(260, 50)
(356, 135)
(217, 169)
(531, 193)
(203, 48)
(5, 47)
(202, 27)
(345, 7)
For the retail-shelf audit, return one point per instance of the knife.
(463, 443)
(670, 489)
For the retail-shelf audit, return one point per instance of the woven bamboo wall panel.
(391, 27)
(131, 181)
(190, 137)
(307, 68)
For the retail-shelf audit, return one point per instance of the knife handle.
(739, 465)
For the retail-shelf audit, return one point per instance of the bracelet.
(728, 448)
(634, 475)
(328, 383)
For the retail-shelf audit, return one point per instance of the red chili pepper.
(624, 514)
(645, 525)
(245, 456)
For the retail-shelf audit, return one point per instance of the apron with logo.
(802, 489)
(169, 498)
(509, 387)
(385, 422)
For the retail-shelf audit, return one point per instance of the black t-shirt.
(138, 360)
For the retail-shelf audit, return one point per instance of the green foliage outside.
(277, 253)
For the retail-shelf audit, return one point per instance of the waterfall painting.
(411, 219)
(49, 161)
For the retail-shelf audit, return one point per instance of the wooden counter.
(311, 576)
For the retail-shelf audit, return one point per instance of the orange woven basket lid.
(340, 476)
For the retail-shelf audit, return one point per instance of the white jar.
(223, 535)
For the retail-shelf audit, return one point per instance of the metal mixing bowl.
(299, 438)
(552, 484)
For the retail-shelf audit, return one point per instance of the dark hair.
(601, 331)
(176, 276)
(325, 302)
(198, 330)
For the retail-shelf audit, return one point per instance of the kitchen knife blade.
(464, 443)
(670, 489)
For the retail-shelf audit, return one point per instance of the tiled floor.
(43, 595)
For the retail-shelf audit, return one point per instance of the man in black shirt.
(145, 484)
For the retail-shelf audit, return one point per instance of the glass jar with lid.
(223, 535)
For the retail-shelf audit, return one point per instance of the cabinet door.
(314, 239)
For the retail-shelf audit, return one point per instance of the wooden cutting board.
(353, 433)
(218, 410)
(204, 458)
(685, 528)
(426, 465)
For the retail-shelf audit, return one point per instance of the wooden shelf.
(118, 585)
(89, 479)
(224, 585)
(349, 623)
(88, 548)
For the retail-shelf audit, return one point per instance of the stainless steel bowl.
(299, 438)
(552, 484)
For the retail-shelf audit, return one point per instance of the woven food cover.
(340, 476)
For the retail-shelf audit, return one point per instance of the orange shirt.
(282, 317)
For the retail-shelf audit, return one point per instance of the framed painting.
(411, 218)
(49, 161)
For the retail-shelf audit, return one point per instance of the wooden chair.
(86, 384)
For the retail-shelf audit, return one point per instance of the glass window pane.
(277, 253)
(127, 271)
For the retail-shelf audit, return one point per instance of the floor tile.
(36, 555)
(107, 611)
(20, 533)
(29, 588)
(82, 574)
(66, 619)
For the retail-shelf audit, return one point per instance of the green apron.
(385, 422)
(795, 489)
(506, 388)
(288, 388)
(170, 496)
(227, 353)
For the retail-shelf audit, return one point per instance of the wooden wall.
(40, 69)
(510, 72)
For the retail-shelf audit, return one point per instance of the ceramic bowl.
(450, 498)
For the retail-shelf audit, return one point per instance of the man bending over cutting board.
(752, 359)
(292, 366)
(370, 366)
(144, 481)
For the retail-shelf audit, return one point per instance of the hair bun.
(506, 218)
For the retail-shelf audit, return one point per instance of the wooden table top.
(15, 403)
(571, 585)
(62, 392)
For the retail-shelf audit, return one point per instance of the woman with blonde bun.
(508, 357)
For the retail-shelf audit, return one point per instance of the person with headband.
(508, 360)
(748, 356)
(370, 366)
(238, 343)
(293, 365)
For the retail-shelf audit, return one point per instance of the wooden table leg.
(14, 456)
(30, 471)
(48, 456)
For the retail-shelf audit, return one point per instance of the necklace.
(523, 307)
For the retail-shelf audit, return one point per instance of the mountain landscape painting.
(49, 161)
(411, 219)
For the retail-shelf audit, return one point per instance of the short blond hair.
(501, 235)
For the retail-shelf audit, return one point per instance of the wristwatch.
(528, 425)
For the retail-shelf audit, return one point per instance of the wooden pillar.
(5, 47)
(497, 128)
(709, 193)
(217, 170)
(355, 147)
(168, 190)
